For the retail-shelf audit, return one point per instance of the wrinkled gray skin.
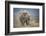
(24, 19)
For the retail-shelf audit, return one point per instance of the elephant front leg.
(27, 22)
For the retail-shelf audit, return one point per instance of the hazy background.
(34, 17)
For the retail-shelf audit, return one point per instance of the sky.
(33, 12)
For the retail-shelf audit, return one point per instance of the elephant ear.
(17, 21)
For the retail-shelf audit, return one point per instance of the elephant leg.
(27, 22)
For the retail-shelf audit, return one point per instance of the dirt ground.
(33, 22)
